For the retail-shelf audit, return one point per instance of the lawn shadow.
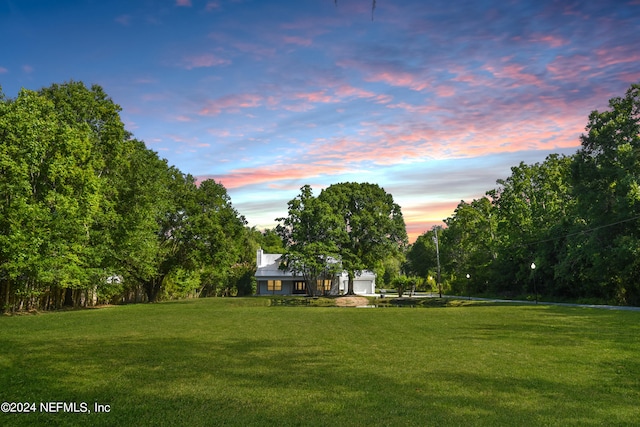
(239, 381)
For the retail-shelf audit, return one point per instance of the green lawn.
(239, 362)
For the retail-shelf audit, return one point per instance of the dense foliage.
(576, 217)
(88, 214)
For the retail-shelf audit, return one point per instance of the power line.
(588, 230)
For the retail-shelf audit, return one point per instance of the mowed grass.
(240, 362)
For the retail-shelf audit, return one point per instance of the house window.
(274, 285)
(299, 287)
(324, 285)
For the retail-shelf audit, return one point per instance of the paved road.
(435, 295)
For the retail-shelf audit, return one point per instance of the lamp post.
(535, 288)
(468, 289)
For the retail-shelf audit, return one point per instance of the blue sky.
(433, 101)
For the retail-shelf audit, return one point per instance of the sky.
(432, 100)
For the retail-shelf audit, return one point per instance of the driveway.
(436, 295)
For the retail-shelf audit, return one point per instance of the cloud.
(27, 69)
(272, 173)
(231, 104)
(550, 40)
(399, 78)
(3, 70)
(515, 72)
(184, 3)
(203, 61)
(300, 41)
(319, 96)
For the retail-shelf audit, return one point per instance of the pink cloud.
(317, 96)
(571, 68)
(219, 133)
(445, 91)
(549, 39)
(231, 103)
(628, 77)
(27, 69)
(618, 55)
(348, 91)
(269, 174)
(3, 70)
(457, 134)
(186, 3)
(413, 81)
(515, 72)
(420, 109)
(399, 78)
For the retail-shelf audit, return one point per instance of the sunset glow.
(431, 101)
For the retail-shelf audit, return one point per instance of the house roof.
(268, 266)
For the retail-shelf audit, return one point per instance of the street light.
(535, 288)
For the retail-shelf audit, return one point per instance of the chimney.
(259, 257)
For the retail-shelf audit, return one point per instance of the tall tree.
(51, 196)
(371, 225)
(215, 233)
(532, 206)
(606, 178)
(309, 233)
(469, 243)
(90, 109)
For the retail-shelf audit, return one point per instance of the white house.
(271, 280)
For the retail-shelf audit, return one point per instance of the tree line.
(89, 214)
(574, 219)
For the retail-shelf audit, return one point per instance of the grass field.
(240, 362)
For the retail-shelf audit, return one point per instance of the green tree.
(421, 255)
(142, 246)
(468, 244)
(533, 207)
(271, 242)
(309, 233)
(51, 196)
(371, 225)
(606, 178)
(216, 235)
(90, 109)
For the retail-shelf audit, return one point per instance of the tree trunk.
(7, 296)
(350, 286)
(68, 297)
(152, 289)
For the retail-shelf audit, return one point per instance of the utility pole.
(435, 240)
